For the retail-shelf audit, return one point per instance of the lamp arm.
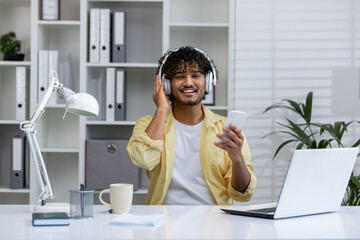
(54, 85)
(29, 128)
(43, 178)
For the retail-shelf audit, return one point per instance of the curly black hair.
(184, 58)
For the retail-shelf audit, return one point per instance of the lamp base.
(52, 207)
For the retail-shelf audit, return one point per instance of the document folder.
(110, 94)
(42, 74)
(20, 93)
(120, 110)
(53, 65)
(94, 43)
(118, 47)
(17, 176)
(104, 35)
(97, 87)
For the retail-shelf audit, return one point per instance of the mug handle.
(102, 201)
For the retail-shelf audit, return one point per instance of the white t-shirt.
(188, 185)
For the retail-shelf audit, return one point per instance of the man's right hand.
(160, 99)
(155, 130)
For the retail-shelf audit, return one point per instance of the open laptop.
(315, 182)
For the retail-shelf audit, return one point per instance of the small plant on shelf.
(10, 47)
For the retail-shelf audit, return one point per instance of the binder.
(27, 164)
(104, 35)
(42, 74)
(94, 52)
(50, 9)
(110, 94)
(97, 87)
(20, 93)
(118, 47)
(120, 109)
(53, 65)
(17, 176)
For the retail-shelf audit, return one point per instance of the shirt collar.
(209, 120)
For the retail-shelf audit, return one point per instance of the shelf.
(10, 122)
(58, 23)
(123, 65)
(139, 191)
(141, 1)
(15, 63)
(124, 123)
(217, 107)
(16, 3)
(60, 150)
(9, 190)
(198, 25)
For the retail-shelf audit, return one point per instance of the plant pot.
(14, 57)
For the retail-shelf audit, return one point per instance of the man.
(178, 145)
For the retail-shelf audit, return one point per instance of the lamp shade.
(83, 104)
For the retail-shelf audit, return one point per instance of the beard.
(176, 98)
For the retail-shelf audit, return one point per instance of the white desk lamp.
(77, 103)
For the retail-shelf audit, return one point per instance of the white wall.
(284, 49)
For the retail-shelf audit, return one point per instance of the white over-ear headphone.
(210, 77)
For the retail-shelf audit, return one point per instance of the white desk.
(184, 222)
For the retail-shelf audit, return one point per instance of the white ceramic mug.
(121, 195)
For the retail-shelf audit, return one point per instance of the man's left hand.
(232, 146)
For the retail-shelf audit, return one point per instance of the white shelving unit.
(14, 16)
(152, 27)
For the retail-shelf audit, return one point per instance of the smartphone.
(236, 118)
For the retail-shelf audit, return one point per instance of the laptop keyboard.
(264, 210)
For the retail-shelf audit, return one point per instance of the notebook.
(50, 219)
(315, 182)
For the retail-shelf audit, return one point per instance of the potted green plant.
(310, 135)
(10, 47)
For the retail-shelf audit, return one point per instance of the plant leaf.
(324, 143)
(308, 107)
(312, 144)
(344, 129)
(276, 105)
(300, 146)
(357, 143)
(356, 181)
(282, 145)
(295, 107)
(292, 133)
(302, 135)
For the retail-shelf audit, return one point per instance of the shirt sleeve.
(143, 151)
(245, 196)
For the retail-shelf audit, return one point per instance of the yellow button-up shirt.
(157, 157)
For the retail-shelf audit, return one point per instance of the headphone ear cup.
(208, 82)
(167, 87)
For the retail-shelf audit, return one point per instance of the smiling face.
(179, 62)
(188, 85)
